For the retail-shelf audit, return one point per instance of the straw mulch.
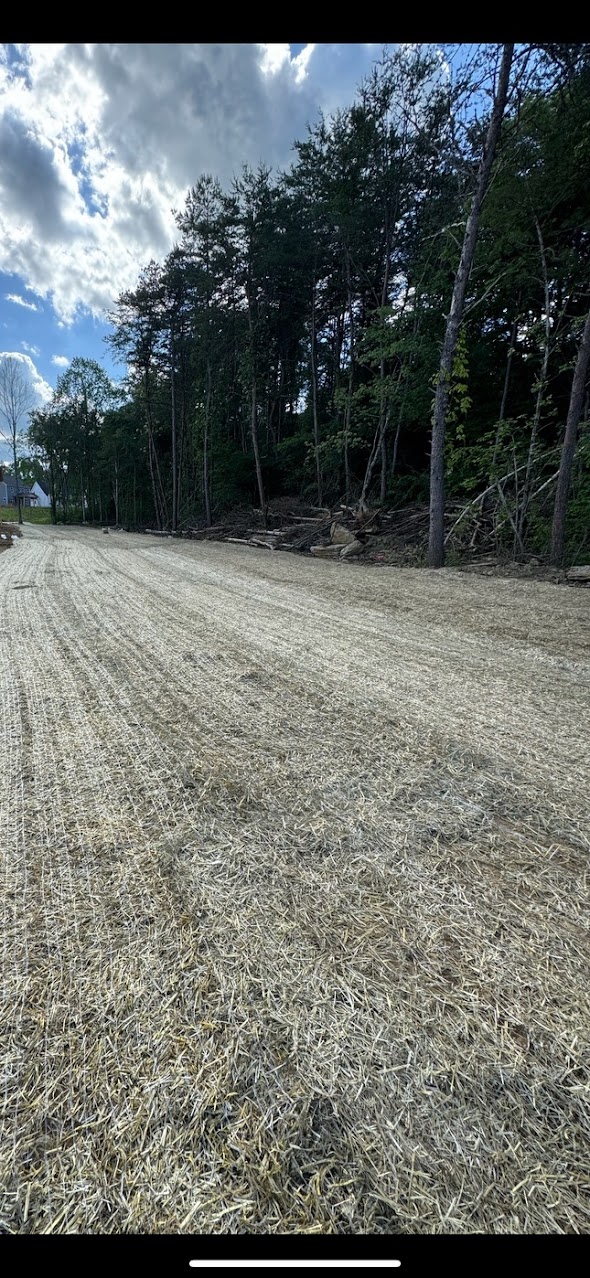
(295, 860)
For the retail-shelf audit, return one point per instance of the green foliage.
(296, 302)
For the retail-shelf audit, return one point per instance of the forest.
(401, 316)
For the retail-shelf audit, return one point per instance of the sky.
(100, 142)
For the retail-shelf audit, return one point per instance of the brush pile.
(339, 532)
(8, 532)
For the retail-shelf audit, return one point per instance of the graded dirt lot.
(295, 898)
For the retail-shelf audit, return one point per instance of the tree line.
(402, 315)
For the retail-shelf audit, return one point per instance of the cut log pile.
(340, 533)
(581, 575)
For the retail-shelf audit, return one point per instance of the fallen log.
(580, 573)
(325, 552)
(353, 548)
(303, 519)
(249, 541)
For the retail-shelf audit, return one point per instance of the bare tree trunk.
(116, 492)
(52, 494)
(575, 409)
(396, 440)
(436, 546)
(173, 426)
(254, 430)
(541, 386)
(379, 446)
(160, 510)
(376, 450)
(337, 343)
(156, 510)
(254, 416)
(314, 398)
(156, 484)
(280, 405)
(348, 409)
(383, 416)
(511, 350)
(383, 483)
(206, 497)
(17, 480)
(181, 433)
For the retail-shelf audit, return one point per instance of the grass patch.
(30, 514)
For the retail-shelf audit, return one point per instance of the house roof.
(7, 477)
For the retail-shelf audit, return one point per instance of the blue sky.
(98, 143)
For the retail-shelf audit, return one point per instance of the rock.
(325, 552)
(105, 530)
(580, 573)
(340, 536)
(354, 548)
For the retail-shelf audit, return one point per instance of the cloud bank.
(99, 142)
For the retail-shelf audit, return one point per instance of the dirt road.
(295, 893)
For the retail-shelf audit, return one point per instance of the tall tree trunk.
(376, 451)
(19, 500)
(576, 406)
(173, 426)
(254, 431)
(314, 398)
(541, 386)
(396, 440)
(436, 544)
(502, 414)
(153, 477)
(53, 496)
(383, 416)
(180, 445)
(278, 434)
(254, 413)
(82, 495)
(383, 481)
(348, 409)
(206, 496)
(379, 446)
(337, 343)
(116, 492)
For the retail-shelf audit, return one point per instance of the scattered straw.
(295, 891)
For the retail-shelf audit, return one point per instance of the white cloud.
(32, 350)
(60, 361)
(274, 56)
(41, 388)
(301, 61)
(20, 301)
(99, 142)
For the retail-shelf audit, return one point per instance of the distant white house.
(41, 495)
